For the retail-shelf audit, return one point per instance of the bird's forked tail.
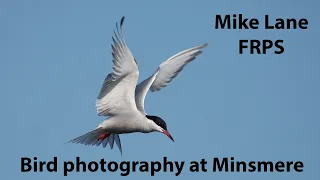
(98, 137)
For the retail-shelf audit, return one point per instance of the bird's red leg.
(103, 136)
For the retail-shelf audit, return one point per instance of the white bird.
(122, 99)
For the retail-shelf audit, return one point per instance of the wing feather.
(173, 66)
(117, 91)
(165, 73)
(142, 90)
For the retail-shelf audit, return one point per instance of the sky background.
(54, 56)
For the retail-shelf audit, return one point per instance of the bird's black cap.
(160, 122)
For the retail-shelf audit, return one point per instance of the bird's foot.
(103, 136)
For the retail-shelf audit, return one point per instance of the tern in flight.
(122, 100)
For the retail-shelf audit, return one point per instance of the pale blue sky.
(55, 55)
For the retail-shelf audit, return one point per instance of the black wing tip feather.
(122, 20)
(204, 45)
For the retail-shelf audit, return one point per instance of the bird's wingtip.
(122, 20)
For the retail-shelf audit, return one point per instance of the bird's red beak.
(168, 134)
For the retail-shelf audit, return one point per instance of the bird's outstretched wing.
(165, 73)
(117, 92)
(142, 89)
